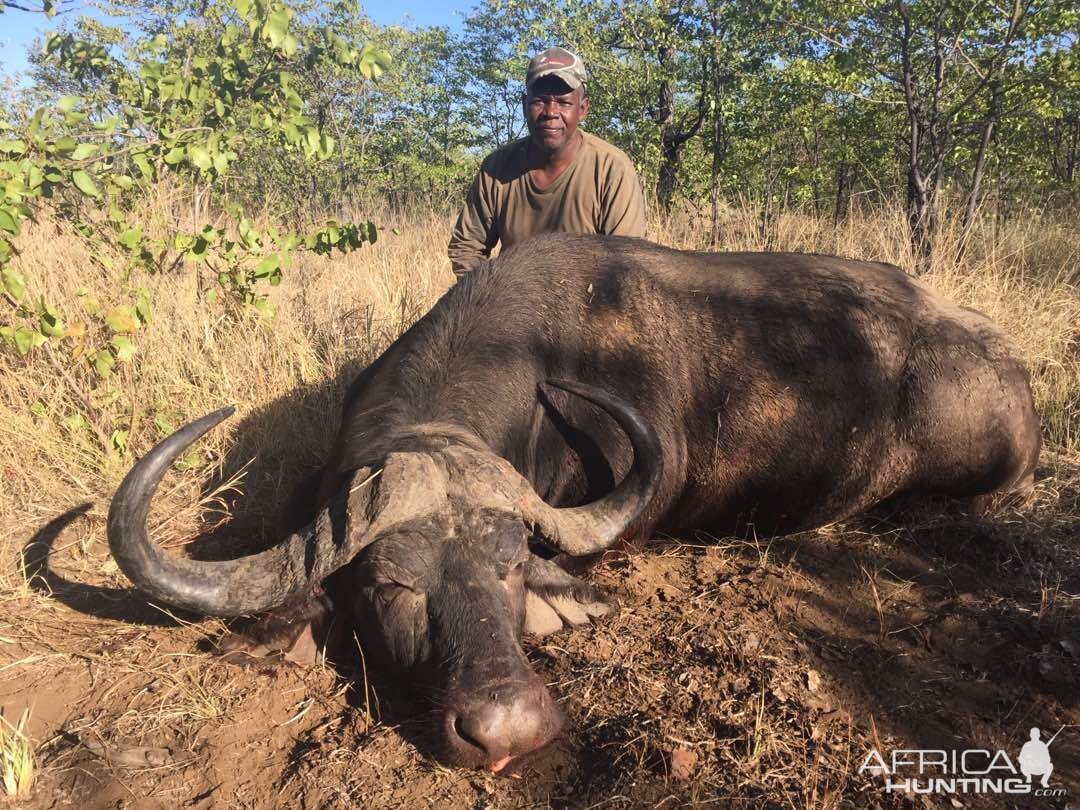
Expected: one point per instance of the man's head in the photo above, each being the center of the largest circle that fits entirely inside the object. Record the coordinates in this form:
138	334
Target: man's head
555	101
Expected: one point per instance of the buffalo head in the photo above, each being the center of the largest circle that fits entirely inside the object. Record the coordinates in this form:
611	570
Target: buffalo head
433	549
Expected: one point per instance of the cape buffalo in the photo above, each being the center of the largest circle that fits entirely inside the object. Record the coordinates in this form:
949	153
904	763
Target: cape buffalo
577	390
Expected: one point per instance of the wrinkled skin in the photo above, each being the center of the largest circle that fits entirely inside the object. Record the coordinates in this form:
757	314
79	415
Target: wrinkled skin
446	600
450	612
785	391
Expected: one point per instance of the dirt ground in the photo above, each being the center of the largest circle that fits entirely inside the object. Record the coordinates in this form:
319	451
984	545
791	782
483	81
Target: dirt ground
738	672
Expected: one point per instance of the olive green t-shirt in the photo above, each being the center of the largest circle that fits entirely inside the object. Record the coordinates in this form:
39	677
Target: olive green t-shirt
599	192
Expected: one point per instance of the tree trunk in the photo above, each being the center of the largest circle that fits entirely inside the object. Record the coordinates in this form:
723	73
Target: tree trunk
980	167
843	192
669	153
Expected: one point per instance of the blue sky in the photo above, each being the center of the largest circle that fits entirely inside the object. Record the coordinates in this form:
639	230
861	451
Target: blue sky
18	28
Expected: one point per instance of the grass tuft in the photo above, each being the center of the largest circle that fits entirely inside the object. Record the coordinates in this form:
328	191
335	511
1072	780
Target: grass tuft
16	757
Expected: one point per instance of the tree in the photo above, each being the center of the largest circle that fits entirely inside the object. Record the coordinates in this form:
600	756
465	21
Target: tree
187	105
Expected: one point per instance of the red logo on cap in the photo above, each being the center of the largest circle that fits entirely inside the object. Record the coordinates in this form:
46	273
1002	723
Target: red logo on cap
552	60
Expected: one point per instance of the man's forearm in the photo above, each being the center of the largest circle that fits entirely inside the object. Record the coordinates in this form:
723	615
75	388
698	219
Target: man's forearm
465	254
471	241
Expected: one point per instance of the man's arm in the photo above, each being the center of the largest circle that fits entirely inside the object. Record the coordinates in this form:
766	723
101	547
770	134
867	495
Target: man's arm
474	234
622	204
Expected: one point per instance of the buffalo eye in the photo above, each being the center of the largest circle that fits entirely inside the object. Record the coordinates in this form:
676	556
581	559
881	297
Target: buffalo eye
393	584
507	570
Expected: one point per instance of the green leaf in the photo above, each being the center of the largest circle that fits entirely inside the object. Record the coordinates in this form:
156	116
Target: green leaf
103	363
130	238
277	25
199	247
374	61
34	177
191	460
200	157
174	155
8	222
84	151
85	184
12	147
311	141
125	349
24	339
264	308
142	306
164	426
326	146
267	266
143	165
38	408
91	305
75	422
67	103
51	324
118	440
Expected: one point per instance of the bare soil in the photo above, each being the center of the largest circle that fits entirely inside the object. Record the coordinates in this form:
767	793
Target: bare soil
740	671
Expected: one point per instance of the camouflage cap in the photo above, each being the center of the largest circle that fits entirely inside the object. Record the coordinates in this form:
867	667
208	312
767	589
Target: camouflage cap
557	62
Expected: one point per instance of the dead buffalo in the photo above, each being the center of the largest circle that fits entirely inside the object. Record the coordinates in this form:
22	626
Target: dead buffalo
577	390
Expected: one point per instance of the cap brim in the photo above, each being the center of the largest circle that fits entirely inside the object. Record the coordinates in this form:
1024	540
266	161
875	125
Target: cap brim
568	79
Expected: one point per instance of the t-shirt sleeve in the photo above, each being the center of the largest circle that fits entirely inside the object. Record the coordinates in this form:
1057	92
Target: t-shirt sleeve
474	235
622	203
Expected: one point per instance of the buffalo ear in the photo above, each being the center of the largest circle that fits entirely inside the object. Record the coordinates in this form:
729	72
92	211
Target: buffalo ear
554	599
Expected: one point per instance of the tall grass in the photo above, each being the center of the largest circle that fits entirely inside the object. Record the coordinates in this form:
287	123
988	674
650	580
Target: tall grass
334	316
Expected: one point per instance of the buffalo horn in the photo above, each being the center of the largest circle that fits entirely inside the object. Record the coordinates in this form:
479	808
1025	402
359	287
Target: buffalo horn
247	585
589	529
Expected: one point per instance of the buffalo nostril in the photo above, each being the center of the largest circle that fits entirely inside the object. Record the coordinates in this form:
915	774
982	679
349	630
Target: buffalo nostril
459	730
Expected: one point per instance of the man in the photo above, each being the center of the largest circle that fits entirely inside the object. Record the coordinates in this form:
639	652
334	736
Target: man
557	179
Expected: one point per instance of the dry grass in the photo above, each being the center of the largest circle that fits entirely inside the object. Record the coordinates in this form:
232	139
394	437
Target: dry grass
16	757
286	379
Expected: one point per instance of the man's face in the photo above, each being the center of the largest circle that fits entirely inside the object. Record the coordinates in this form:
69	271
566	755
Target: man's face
553	112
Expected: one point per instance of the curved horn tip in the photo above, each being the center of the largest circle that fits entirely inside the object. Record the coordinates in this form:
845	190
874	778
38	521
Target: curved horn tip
584	390
605	520
223	413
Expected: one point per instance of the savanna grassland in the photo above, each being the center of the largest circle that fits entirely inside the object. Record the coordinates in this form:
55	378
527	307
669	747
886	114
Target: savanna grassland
740	669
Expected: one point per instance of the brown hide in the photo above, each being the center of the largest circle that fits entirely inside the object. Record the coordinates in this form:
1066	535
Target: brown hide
788	390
